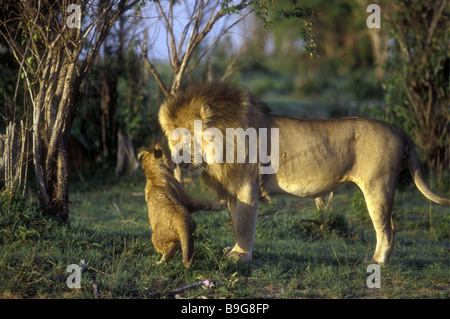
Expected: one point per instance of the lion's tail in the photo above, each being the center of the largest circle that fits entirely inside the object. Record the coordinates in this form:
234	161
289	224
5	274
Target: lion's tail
419	180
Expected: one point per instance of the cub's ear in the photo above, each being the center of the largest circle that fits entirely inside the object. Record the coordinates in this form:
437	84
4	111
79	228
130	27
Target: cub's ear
141	155
157	147
158	152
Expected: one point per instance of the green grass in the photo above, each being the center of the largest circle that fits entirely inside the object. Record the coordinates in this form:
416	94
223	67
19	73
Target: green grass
293	256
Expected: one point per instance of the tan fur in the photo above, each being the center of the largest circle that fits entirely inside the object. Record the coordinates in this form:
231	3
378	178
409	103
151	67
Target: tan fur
316	156
169	207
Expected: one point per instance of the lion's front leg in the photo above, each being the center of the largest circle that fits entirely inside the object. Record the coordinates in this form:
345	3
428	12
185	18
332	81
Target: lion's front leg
244	213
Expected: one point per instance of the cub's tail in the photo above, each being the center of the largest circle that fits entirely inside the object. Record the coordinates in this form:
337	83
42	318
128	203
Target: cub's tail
419	180
187	246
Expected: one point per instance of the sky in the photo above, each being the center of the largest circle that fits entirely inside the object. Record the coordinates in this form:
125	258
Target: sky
157	37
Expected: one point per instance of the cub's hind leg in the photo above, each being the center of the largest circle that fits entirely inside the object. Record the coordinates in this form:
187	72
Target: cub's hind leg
164	245
168	252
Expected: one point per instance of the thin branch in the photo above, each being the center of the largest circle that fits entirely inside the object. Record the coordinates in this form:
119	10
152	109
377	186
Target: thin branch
169	28
26	48
194	39
231	66
187	26
215	41
212	12
180	290
105	12
42	192
179	60
434	22
152	67
101	37
130	5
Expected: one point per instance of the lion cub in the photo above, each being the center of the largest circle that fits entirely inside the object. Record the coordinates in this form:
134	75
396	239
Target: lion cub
169	207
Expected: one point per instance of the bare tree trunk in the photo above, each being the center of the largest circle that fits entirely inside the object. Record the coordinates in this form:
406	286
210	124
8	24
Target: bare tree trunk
105	99
49	63
418	84
125	154
13	145
379	40
2	160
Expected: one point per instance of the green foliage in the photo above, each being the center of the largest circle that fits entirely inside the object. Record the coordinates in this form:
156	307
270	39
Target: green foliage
227	7
274	13
416	86
274	84
359	207
442	229
130	104
335	84
137	109
332	222
326	224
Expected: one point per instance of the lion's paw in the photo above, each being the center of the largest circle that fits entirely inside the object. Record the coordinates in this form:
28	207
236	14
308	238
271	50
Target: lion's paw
370	261
227	250
236	256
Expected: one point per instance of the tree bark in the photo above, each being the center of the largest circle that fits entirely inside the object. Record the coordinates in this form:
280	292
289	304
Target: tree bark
126	156
48	62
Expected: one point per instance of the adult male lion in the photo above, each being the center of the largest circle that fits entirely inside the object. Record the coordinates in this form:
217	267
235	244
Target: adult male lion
315	157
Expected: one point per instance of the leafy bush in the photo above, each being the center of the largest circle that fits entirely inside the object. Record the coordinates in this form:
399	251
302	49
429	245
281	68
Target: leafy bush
325	224
416	87
359	207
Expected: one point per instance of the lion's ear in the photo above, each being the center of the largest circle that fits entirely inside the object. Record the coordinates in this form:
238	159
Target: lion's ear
206	112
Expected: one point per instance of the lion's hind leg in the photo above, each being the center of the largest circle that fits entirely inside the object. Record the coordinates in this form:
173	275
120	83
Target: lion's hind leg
379	200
